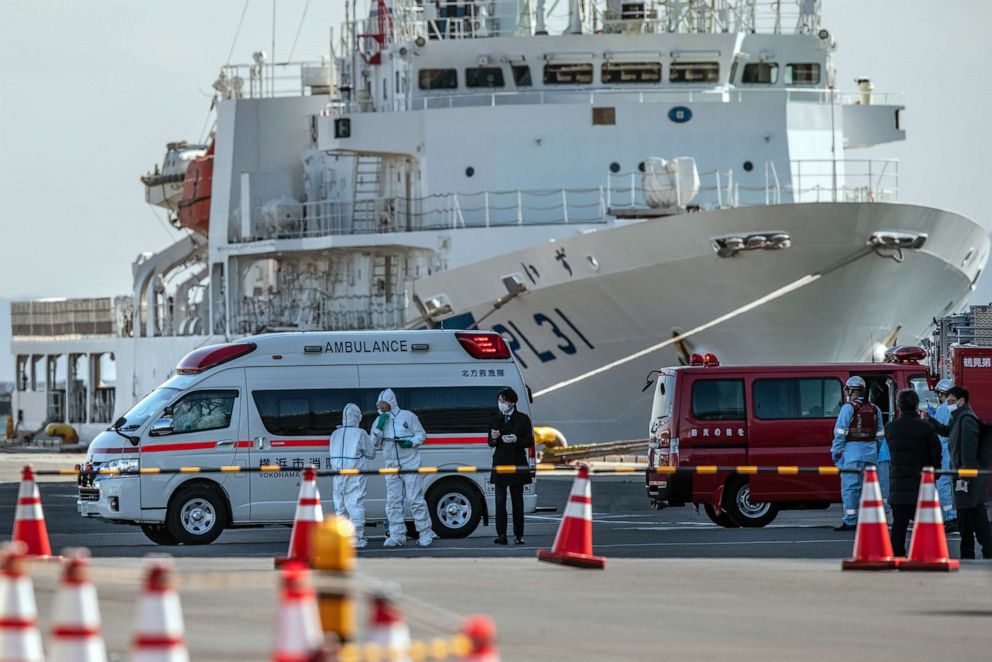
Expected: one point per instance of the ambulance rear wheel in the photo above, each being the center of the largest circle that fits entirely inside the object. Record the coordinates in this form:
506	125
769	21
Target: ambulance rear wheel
158	534
196	515
723	519
741	510
455	507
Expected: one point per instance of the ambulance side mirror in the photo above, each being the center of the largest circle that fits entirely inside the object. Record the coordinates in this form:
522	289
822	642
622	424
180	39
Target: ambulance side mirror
161	427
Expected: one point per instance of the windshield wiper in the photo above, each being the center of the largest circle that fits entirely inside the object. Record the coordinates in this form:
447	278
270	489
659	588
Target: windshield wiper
116	427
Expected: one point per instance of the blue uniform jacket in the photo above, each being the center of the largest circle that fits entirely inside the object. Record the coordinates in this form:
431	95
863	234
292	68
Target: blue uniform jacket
844	453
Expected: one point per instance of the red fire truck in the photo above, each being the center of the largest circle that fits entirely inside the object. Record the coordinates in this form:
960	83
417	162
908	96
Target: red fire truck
707	414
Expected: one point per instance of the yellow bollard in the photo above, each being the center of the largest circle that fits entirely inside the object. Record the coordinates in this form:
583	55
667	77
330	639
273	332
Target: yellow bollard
334	556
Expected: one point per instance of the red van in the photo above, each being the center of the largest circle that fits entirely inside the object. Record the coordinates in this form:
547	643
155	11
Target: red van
708	414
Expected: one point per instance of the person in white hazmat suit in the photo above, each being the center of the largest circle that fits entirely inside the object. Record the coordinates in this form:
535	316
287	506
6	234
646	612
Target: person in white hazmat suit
351	448
399	434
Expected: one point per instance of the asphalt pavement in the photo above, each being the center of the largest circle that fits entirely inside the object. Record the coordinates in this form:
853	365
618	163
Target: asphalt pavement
624	526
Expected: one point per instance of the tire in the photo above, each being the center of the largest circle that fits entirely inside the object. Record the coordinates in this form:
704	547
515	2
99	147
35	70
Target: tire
158	534
196	515
738	506
723	519
455	507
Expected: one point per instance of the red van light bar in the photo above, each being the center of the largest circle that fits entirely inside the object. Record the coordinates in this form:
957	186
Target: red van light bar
905	354
211	356
484	345
707	360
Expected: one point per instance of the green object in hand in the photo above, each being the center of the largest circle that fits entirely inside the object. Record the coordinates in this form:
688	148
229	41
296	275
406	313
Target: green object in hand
404	443
380	423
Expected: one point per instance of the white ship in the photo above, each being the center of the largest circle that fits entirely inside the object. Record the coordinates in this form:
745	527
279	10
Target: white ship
645	180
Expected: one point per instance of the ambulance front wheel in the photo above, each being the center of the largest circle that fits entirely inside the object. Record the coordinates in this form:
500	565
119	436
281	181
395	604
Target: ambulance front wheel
196	515
738	506
455	506
159	534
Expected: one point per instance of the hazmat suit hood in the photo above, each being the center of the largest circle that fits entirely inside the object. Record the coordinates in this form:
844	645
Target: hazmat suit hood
352	415
390	397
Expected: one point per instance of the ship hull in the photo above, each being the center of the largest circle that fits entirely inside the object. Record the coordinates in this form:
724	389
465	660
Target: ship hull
596	300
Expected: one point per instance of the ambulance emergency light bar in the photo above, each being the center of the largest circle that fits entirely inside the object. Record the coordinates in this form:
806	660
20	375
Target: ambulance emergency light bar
484	345
212	356
705	360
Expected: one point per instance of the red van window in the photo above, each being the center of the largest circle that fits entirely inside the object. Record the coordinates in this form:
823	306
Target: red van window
781	399
718	400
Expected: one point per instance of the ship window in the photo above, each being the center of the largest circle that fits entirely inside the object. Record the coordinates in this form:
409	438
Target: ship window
760	73
438	79
567	74
604	116
483	77
631	72
804	73
694	72
521	75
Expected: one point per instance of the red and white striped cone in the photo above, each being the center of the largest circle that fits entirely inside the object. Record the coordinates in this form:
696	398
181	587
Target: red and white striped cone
160	635
308	515
29	519
298	634
20	640
388	630
76	621
573	543
928	547
872	545
481	632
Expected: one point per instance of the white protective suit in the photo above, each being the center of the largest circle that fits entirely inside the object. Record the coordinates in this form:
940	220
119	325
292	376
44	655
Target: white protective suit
402	428
351	448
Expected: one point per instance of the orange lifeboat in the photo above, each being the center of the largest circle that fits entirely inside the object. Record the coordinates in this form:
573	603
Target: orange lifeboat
194	205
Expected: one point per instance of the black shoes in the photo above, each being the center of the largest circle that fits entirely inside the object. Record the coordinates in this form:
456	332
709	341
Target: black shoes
501	540
845	527
518	540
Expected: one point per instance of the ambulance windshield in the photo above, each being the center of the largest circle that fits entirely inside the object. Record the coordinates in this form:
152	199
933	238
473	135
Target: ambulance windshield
150	404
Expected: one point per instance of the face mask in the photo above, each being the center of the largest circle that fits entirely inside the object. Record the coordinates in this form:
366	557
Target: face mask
504	407
952	407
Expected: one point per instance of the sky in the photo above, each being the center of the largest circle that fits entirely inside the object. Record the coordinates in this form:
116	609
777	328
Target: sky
90	92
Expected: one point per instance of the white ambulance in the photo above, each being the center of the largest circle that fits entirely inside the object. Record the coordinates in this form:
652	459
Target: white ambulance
274	400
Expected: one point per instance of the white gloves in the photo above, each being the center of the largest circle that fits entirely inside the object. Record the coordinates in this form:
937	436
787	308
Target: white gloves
509	438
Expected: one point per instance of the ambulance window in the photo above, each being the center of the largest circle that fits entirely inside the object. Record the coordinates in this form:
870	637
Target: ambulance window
784	399
150	404
305	412
202	410
718	400
451	409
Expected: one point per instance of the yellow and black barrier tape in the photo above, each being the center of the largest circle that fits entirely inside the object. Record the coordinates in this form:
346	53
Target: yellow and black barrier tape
439	648
546	469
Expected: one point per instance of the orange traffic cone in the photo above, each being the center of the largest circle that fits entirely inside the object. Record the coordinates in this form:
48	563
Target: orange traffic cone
29	519
76	623
388	630
308	515
19	636
298	634
573	544
872	545
481	632
160	635
928	548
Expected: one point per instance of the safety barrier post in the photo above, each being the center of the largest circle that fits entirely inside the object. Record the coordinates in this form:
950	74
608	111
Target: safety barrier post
333	556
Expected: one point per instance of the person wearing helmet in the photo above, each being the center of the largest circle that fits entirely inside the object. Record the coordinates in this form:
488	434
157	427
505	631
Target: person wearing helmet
351	448
858	435
942	415
399	433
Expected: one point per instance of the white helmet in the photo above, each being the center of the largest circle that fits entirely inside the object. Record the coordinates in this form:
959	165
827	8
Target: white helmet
943	386
856	382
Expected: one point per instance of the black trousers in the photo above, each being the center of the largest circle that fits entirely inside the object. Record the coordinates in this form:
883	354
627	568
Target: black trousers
517	501
901	514
974	523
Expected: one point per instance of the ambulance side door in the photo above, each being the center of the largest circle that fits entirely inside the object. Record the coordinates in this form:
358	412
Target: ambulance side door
292	412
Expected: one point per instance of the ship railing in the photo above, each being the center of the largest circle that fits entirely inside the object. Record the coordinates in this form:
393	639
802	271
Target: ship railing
320	311
832	180
717	190
262	79
503	18
720	94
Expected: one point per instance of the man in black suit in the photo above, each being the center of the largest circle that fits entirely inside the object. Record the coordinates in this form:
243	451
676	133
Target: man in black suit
511	435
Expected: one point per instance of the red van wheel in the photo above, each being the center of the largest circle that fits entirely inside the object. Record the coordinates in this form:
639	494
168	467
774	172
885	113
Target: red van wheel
723	519
738	506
